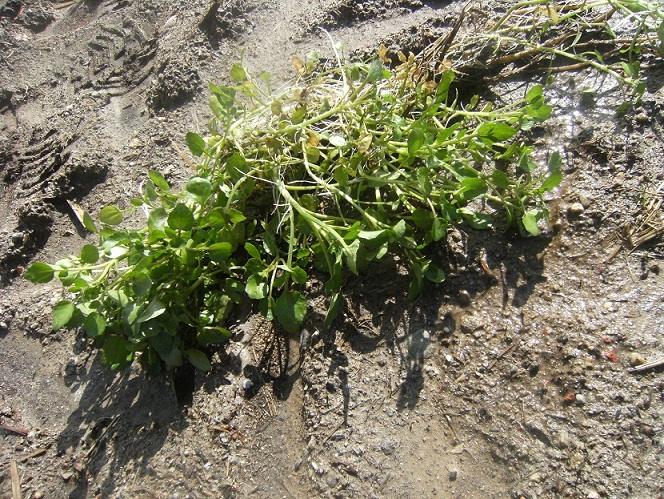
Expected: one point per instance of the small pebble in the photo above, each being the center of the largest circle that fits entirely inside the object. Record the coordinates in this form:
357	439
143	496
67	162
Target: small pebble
575	209
585	200
452	475
388	446
580	400
636	359
247	384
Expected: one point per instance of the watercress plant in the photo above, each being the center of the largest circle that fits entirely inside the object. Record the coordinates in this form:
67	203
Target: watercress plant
345	167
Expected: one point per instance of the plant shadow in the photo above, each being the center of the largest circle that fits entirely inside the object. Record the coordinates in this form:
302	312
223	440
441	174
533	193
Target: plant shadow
121	418
379	314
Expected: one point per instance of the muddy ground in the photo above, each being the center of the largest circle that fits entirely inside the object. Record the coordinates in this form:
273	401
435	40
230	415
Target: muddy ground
510	379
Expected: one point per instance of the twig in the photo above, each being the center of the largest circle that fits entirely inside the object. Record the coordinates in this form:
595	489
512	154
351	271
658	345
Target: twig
13	429
16	481
36	453
650	365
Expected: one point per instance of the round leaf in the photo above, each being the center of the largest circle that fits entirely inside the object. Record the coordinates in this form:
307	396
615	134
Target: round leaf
529	221
181	218
255	288
62	313
89	254
39	273
94	325
199	359
110	215
291	307
200	188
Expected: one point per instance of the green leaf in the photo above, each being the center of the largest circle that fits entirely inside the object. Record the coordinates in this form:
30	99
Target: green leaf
181	218
270	244
172	357
351	254
252	250
139	282
116	352
213	335
238	74
255	288
529	221
374	238
62	313
159	180
552	181
196	143
336	306
290	310
416	284
438	229
39	273
219	252
157	219
217	108
94	325
555	162
433	273
415	141
481	221
444	85
199	360
89	254
154	309
200	189
88	223
236	166
540	111
527	164
495	132
534	93
110	215
375	71
423	218
471	188
500	179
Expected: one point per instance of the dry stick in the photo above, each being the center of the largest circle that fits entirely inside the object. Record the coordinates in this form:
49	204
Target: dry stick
650	365
13	429
36	453
16	481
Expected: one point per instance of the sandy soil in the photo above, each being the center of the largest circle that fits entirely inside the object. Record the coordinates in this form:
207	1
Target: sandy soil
510	379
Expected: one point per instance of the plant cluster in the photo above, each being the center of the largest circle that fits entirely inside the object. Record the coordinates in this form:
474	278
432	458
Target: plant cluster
341	170
345	167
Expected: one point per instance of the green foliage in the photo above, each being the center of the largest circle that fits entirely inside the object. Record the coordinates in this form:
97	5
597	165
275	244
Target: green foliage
342	170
